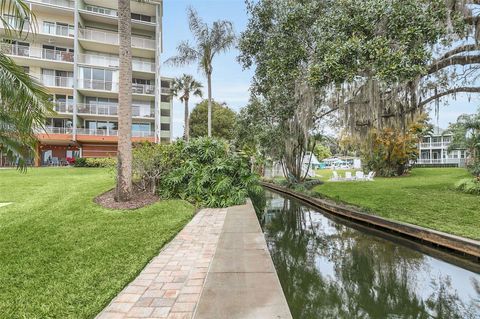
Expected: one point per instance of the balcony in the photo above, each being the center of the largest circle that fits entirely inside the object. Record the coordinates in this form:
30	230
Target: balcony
56	130
60	3
113	62
106	37
110	132
426	161
63	107
60	30
113	13
100	85
55	81
435	145
143	89
37	53
97	109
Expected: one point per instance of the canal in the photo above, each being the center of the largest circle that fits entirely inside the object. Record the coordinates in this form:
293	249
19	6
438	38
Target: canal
333	268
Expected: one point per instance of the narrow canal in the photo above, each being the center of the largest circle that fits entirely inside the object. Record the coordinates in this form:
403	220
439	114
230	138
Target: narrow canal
333	268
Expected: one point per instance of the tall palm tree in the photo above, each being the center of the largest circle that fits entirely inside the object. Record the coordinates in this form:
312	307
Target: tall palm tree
124	163
183	87
24	104
209	41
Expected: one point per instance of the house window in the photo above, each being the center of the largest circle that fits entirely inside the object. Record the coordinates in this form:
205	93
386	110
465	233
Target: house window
165	126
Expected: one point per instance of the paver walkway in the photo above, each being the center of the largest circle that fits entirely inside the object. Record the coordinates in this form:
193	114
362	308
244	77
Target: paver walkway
217	267
170	285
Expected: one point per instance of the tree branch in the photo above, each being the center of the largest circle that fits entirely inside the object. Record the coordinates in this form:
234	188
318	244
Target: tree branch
454	60
460	49
448	92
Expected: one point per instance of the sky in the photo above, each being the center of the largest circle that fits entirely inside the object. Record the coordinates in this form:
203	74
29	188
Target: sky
230	83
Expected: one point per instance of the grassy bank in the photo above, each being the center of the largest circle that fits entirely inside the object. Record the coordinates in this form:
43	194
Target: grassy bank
426	198
61	255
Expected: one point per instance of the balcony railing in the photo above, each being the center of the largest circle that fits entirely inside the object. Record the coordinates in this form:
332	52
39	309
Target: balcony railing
61	3
143	134
112	38
60	30
441	161
111	12
55	81
56	130
96	132
63	107
106	61
143	89
98	85
38	53
435	145
97	109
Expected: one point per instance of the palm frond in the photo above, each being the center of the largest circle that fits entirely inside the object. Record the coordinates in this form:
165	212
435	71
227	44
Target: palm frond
16	16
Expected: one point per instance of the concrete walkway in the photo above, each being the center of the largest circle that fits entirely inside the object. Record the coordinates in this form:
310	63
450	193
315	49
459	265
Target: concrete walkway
218	266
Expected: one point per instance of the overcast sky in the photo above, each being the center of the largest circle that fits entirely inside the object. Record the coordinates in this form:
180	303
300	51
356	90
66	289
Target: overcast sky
230	83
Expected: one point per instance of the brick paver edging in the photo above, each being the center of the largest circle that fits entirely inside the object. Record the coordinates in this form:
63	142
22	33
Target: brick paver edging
171	284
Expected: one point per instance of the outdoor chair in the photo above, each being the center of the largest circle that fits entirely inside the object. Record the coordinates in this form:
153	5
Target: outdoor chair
359	176
335	176
370	176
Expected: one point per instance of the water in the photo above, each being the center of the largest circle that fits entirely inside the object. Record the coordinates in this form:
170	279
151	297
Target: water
331	268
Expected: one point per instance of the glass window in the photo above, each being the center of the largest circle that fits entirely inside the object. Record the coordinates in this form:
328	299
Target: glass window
165	98
165	126
48	27
164	112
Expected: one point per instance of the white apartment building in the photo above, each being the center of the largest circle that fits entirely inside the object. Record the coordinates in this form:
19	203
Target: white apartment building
73	51
433	150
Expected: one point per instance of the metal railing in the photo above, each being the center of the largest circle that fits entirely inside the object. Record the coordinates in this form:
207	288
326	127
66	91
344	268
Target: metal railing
143	89
60	30
112	38
63	107
61	3
56	130
98	85
38	53
111	12
56	81
97	109
143	134
96	132
107	61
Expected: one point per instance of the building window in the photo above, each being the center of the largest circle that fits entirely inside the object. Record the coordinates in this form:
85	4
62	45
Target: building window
141	17
165	126
165	84
141	127
164	112
165	98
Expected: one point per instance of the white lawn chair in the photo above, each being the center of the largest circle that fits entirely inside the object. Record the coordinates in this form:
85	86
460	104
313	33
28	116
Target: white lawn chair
335	176
359	176
348	176
370	176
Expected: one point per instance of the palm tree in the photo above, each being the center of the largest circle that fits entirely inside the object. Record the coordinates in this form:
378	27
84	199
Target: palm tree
182	88
124	157
210	41
24	104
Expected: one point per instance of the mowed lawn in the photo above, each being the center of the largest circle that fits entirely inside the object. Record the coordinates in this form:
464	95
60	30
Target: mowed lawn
63	256
426	198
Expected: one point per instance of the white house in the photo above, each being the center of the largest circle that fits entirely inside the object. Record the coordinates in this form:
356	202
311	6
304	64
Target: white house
433	150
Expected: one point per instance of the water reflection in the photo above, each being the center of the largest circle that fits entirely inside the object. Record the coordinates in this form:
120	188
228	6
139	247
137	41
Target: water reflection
329	270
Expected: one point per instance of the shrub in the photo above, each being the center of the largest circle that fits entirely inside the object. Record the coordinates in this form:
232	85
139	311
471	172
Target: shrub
207	172
469	186
96	162
475	168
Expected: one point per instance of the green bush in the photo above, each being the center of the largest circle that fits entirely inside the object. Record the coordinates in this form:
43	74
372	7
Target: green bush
204	171
469	186
475	168
96	162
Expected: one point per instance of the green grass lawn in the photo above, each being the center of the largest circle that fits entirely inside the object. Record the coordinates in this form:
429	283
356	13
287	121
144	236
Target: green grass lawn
426	198
63	256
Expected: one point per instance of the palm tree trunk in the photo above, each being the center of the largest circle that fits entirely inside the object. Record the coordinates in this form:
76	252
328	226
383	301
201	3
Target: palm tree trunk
124	165
209	76
186	133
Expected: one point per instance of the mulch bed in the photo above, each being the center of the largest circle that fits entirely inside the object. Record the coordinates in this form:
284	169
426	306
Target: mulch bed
139	199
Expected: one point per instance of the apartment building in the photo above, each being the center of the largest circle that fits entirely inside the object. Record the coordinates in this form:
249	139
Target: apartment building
73	51
433	150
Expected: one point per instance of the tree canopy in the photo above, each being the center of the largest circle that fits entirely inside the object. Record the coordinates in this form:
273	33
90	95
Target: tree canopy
223	123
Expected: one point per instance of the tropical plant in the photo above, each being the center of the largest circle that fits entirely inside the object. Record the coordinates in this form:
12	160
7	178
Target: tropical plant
466	135
105	162
124	164
183	87
469	186
209	173
223	122
209	42
24	104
